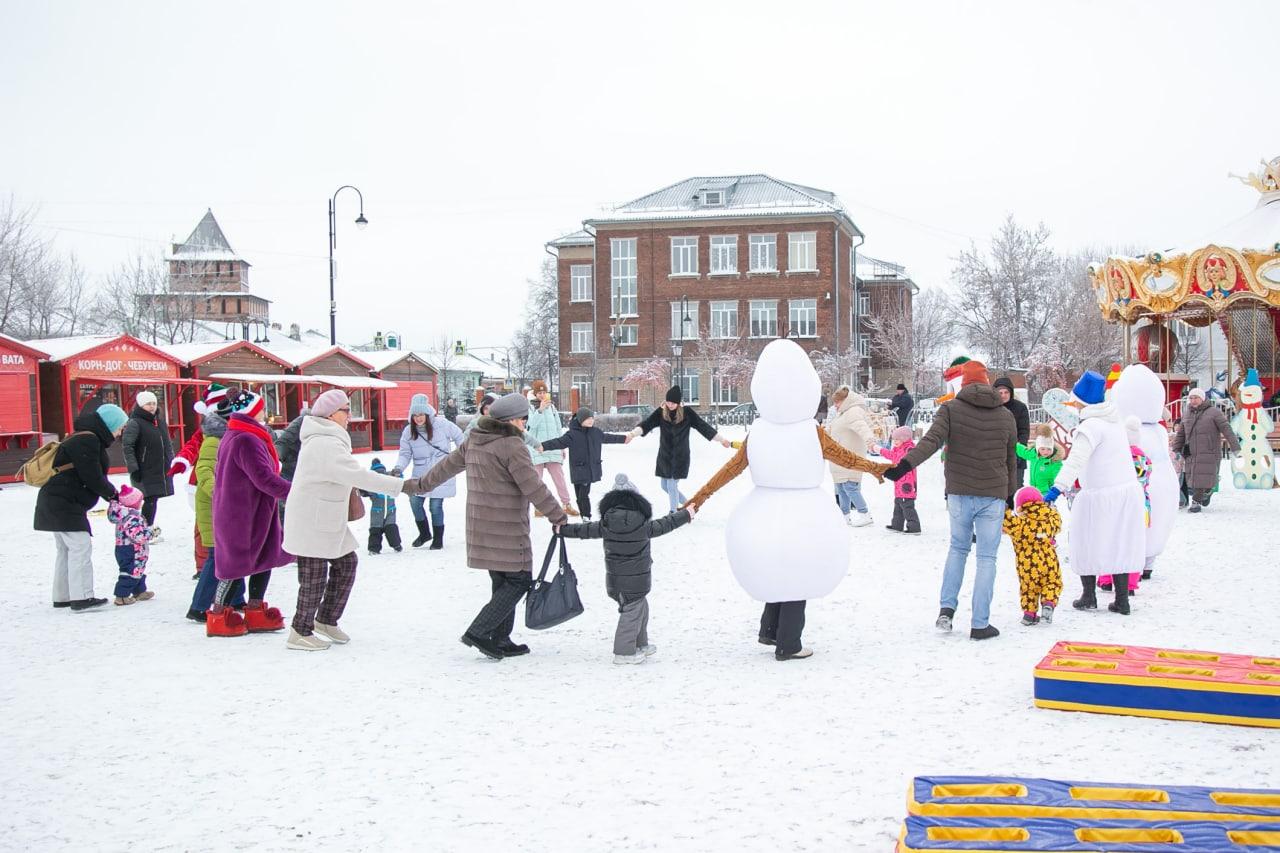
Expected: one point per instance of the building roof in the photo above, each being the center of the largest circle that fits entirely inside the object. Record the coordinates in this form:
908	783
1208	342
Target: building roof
194	352
577	238
206	242
60	349
871	270
23	347
744	196
381	359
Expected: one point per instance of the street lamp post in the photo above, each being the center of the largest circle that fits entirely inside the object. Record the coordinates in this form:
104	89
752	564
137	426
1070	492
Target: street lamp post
361	222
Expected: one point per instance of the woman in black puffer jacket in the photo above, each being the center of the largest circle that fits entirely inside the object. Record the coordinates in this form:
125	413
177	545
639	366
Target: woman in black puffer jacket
148	452
626	524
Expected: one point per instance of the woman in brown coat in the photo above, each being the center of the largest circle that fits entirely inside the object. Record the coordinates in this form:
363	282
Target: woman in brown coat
1201	432
501	483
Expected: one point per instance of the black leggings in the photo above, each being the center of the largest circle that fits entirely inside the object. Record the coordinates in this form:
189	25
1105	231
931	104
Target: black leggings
582	491
149	504
257	589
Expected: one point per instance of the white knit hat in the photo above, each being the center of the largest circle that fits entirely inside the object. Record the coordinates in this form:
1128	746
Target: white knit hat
145	398
1044	442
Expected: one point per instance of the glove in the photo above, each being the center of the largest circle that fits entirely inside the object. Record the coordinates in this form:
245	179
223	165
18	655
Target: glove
1052	495
180	466
898	471
410	487
396	472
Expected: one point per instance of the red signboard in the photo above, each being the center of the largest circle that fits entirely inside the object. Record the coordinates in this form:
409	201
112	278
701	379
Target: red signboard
15	362
121	358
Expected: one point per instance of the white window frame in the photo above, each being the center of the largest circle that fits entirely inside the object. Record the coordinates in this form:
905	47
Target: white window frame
690	328
580	336
763	305
623	291
864	344
580	283
757	244
581	381
722	328
802	317
684	256
690	383
723	393
628	334
864	303
706	198
795	254
724	254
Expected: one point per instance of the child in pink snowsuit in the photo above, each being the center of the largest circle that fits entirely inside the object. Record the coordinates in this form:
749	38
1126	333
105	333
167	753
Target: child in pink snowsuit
133	546
905	519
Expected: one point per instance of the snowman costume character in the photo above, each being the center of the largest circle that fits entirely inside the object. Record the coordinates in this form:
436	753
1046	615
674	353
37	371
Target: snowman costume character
1254	466
787	542
1139	394
1108	516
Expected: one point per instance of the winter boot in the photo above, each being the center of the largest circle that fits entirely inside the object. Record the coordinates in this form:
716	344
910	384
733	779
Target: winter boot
1088	601
124	601
424	532
484	645
437	541
945	616
1029	617
510	649
224	623
1046	611
1121	604
259	618
145	595
986	633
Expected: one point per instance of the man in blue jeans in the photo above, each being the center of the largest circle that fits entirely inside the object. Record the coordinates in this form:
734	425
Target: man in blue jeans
981	471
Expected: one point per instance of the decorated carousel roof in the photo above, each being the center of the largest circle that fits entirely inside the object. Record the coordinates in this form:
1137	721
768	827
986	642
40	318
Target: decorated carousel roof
1239	265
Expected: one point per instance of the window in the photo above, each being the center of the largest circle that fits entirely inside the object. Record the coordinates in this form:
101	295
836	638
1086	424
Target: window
684	255
803	318
864	303
802	251
764	318
721	391
582	382
690	332
688	382
724	253
580	283
724	319
764	252
864	344
627	336
357	405
580	337
713	198
622	278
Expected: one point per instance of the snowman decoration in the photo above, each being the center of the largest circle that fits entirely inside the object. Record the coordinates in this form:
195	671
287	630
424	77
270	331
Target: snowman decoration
787	541
1254	468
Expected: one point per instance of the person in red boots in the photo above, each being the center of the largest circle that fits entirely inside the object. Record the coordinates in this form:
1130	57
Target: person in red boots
247	531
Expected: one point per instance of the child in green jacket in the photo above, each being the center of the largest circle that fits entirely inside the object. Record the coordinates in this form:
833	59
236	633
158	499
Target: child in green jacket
1044	458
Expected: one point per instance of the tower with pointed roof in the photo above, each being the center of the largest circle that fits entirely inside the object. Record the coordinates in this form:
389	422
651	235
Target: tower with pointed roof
208	279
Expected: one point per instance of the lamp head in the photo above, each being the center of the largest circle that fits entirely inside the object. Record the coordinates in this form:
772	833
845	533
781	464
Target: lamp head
361	222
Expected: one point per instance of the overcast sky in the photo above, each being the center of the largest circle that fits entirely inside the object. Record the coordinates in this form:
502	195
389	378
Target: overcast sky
478	131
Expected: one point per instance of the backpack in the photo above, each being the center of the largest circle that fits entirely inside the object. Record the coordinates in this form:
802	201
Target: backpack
39	469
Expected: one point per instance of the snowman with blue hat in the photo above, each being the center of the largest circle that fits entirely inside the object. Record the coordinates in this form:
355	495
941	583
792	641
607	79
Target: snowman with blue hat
1254	466
1108	526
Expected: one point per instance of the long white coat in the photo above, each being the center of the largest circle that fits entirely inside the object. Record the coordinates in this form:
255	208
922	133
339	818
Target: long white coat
315	513
851	427
1108	517
1138	393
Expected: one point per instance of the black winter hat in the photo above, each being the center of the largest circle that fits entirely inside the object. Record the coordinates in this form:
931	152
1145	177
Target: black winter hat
901	387
675	395
1003	382
583	413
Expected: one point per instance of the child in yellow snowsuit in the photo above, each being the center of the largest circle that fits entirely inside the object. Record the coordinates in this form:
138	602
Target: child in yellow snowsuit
1033	525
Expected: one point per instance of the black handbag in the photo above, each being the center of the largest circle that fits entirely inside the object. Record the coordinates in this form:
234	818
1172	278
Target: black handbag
553	601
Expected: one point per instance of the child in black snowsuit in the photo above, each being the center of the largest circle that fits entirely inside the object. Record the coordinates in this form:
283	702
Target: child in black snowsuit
626	524
382	517
584	441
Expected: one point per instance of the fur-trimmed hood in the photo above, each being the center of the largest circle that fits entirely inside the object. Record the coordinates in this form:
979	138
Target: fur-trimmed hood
622	510
487	426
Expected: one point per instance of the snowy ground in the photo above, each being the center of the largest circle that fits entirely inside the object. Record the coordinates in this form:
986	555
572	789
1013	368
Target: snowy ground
127	729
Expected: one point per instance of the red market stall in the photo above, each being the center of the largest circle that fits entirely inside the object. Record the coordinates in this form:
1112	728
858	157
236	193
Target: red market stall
260	372
116	367
19	405
412	374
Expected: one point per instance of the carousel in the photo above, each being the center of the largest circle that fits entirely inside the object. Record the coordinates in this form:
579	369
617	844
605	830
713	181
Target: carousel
1231	279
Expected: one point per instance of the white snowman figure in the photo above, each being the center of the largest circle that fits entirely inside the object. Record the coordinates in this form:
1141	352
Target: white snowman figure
1254	467
787	541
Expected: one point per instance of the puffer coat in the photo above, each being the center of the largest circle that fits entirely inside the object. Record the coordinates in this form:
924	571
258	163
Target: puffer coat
501	483
980	436
148	452
852	430
673	439
543	427
1199	440
626	525
424	454
214	428
585	445
63	503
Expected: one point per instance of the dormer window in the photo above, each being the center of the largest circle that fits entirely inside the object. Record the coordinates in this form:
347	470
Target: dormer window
713	198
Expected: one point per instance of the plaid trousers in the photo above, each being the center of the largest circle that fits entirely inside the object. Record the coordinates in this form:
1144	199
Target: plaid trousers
323	589
497	617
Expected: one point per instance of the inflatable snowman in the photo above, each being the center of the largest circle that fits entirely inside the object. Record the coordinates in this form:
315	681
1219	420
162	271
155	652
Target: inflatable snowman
787	540
1139	394
1254	468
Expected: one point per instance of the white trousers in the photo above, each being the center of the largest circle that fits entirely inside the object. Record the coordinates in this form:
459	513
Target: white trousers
73	566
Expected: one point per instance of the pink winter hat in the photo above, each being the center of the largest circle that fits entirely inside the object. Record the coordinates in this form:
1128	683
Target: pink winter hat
329	402
902	433
130	497
1026	495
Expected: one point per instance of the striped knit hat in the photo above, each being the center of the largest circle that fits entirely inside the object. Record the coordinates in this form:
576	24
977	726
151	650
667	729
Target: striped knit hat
213	399
248	403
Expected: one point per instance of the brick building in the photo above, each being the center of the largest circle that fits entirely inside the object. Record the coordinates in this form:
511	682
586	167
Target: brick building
715	268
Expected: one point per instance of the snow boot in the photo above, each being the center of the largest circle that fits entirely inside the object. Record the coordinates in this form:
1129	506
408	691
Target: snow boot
859	519
125	601
1121	604
484	645
1029	618
224	623
1046	612
424	532
259	618
1089	600
145	595
986	633
945	615
437	540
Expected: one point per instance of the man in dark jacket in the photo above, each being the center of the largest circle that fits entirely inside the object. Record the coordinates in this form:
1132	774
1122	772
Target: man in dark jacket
980	471
148	452
63	504
584	441
1021	422
288	443
902	404
626	526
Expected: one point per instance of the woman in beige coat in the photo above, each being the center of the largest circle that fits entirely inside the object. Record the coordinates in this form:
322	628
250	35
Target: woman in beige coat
850	426
315	521
501	483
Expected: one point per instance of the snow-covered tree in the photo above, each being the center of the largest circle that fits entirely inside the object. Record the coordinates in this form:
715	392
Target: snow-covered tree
916	338
652	373
535	347
835	368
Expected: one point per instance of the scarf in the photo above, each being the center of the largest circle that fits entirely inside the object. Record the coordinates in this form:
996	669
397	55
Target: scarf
255	428
1251	411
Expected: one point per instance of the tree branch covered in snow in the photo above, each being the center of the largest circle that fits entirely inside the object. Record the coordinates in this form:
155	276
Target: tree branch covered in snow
653	373
535	347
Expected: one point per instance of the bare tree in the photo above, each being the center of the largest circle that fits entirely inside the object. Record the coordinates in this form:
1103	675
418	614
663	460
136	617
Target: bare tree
836	368
140	298
445	356
536	344
916	339
25	260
